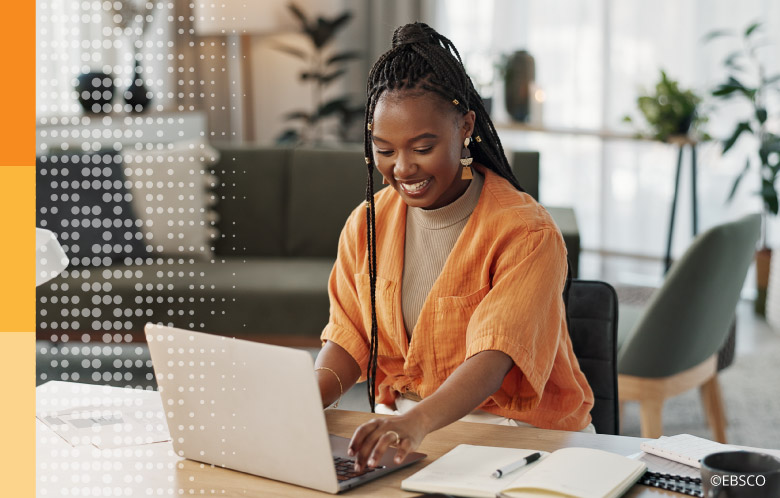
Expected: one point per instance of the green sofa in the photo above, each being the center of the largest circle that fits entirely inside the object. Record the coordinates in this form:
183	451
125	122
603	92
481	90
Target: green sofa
280	215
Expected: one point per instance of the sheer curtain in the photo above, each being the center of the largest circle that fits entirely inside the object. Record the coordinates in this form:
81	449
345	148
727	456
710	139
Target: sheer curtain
593	57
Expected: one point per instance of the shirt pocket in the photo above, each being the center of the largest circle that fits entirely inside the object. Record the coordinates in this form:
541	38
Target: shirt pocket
385	310
452	317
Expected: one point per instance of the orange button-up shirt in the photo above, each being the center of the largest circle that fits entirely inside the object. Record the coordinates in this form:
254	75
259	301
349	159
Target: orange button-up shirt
500	289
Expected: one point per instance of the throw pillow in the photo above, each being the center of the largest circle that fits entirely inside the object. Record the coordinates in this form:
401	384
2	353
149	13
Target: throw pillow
170	185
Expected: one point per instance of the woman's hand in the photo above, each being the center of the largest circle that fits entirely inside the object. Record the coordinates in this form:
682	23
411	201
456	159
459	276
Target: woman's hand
371	440
468	386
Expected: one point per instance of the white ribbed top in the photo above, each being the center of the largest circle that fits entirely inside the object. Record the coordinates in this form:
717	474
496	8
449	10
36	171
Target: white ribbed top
430	236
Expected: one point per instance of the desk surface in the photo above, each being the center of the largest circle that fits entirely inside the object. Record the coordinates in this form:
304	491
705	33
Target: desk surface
155	470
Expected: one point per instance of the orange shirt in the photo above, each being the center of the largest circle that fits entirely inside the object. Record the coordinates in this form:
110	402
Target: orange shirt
500	289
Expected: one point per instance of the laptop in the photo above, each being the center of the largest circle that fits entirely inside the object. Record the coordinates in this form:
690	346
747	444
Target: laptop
254	408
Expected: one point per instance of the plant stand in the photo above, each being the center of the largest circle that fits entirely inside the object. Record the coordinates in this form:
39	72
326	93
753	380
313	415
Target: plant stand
681	141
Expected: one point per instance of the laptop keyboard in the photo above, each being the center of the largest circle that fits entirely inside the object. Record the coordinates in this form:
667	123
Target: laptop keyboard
345	469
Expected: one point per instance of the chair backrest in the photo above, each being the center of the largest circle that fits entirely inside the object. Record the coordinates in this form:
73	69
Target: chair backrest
689	316
593	315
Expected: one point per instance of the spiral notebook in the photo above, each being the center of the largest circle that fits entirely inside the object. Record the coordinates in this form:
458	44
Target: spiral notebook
684	448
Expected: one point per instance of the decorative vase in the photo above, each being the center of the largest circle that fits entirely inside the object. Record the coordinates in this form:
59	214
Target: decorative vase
95	91
520	75
137	96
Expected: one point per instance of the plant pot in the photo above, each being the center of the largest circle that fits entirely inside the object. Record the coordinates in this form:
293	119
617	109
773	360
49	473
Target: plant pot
763	259
137	95
520	74
95	91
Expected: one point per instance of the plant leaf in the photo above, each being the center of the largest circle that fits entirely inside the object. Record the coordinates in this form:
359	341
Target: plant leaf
290	116
750	31
332	107
725	90
343	56
325	29
769	195
298	13
327	78
737	180
311	75
743	126
717	34
301	54
761	115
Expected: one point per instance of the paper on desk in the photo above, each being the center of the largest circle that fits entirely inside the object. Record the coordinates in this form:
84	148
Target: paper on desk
111	421
662	465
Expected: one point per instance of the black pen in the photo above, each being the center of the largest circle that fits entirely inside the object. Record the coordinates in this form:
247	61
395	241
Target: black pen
499	473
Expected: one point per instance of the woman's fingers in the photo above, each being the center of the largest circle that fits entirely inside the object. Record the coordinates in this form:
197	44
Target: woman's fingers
359	436
363	442
385	440
403	449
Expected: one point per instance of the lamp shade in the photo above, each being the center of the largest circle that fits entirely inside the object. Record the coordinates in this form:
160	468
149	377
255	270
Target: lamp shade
50	259
236	17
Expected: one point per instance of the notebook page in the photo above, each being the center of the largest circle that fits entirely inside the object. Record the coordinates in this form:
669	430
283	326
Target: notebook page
581	472
683	448
466	471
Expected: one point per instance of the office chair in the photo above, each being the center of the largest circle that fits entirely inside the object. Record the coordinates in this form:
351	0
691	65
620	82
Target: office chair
672	346
593	316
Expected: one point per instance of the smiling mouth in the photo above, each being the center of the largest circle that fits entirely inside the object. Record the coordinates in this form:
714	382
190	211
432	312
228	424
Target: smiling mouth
415	188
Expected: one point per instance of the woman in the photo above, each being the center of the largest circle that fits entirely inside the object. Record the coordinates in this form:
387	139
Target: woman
447	291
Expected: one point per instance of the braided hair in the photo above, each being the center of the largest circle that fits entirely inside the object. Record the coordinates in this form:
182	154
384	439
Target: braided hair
422	59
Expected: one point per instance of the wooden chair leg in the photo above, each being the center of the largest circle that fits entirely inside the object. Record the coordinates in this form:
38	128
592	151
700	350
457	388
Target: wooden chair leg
650	417
621	406
706	403
716	415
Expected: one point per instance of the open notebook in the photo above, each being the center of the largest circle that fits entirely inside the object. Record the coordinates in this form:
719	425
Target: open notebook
572	472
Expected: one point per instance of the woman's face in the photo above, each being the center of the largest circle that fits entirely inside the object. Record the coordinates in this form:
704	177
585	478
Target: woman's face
417	143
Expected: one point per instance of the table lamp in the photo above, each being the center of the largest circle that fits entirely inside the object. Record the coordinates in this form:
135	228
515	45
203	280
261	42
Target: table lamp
239	20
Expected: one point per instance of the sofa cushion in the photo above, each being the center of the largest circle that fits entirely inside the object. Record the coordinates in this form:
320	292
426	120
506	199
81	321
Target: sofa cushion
229	296
325	186
252	195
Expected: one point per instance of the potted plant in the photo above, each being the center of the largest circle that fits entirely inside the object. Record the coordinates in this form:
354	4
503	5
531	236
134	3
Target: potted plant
670	111
747	80
321	70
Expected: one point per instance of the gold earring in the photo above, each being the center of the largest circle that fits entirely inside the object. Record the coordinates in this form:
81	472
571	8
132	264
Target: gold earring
466	160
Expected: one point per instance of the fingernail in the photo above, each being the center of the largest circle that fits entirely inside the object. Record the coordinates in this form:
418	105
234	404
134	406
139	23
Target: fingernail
350	452
371	462
397	459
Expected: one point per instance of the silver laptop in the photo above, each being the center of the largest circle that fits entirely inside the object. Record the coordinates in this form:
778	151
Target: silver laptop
252	407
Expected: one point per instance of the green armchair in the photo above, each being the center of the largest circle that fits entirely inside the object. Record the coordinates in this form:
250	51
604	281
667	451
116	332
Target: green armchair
671	346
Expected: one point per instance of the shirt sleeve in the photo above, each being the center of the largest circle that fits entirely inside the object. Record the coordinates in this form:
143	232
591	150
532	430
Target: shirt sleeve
522	315
345	326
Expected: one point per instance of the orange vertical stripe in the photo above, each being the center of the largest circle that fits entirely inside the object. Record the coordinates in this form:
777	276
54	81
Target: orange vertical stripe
17	84
17	220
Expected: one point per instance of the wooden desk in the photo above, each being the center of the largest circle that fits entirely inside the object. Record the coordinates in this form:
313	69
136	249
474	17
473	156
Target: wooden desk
154	469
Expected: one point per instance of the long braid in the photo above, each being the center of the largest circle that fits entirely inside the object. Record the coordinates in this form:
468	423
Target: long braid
421	58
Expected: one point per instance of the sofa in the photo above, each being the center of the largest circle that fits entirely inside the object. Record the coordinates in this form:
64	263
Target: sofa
279	213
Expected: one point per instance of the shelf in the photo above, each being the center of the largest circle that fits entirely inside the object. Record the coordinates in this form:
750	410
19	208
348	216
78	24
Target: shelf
116	130
585	132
